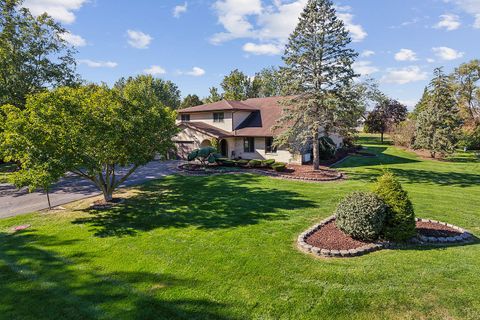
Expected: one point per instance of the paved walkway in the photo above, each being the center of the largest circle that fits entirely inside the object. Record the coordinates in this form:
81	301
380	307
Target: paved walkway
15	202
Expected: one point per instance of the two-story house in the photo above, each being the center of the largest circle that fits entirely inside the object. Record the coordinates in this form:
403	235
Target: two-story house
243	129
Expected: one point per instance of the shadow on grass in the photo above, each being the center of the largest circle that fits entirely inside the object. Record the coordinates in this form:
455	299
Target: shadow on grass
380	159
205	202
39	284
454	179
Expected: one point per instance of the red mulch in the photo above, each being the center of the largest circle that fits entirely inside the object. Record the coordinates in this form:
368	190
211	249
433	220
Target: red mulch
306	171
431	229
331	238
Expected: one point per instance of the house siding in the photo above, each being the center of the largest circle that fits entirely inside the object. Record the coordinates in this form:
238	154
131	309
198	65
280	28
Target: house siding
207	117
281	155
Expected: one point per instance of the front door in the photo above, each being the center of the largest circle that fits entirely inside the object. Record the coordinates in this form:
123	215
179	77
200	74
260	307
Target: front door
224	148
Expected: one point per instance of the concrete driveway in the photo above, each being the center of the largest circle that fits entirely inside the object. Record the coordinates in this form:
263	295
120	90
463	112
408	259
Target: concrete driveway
15	202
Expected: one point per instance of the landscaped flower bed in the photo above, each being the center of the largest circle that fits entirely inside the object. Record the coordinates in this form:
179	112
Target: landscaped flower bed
327	240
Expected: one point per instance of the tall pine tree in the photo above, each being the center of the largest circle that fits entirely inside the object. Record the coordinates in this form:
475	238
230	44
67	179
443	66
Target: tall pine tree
438	123
318	65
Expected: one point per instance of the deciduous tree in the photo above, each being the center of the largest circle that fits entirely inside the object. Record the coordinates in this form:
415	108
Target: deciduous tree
33	54
92	131
386	114
190	100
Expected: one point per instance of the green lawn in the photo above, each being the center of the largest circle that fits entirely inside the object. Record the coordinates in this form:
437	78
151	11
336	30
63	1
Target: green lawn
223	247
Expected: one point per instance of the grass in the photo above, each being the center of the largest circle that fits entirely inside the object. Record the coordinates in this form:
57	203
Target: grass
223	247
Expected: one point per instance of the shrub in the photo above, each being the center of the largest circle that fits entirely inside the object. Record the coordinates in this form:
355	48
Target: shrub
268	163
279	166
242	162
400	216
254	163
203	155
403	134
361	215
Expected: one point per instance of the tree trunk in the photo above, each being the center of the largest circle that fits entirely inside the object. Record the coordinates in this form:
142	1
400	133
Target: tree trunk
316	152
381	137
432	154
108	195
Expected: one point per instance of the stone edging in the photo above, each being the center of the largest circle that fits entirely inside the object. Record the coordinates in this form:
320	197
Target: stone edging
465	237
273	174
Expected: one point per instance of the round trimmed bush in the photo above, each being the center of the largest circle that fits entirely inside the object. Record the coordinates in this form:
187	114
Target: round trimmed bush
279	166
361	215
254	163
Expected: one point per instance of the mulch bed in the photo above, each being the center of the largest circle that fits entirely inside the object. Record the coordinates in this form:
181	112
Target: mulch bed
103	205
430	229
307	172
331	238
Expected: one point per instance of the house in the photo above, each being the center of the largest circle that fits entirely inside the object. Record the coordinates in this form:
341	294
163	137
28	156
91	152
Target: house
243	130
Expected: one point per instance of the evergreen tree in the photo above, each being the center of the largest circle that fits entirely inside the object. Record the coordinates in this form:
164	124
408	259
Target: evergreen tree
190	100
271	82
318	65
437	125
421	105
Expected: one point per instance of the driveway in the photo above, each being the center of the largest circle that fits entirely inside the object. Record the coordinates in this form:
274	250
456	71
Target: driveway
15	202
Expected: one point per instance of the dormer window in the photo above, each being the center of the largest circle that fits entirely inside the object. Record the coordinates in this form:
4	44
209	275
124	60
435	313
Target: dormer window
185	118
218	116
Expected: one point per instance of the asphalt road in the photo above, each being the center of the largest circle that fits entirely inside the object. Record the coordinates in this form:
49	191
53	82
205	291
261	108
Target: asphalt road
15	202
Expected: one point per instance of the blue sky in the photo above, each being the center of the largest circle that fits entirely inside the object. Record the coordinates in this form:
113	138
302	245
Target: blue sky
196	42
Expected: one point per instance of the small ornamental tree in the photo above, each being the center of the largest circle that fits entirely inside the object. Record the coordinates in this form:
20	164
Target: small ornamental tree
437	125
385	116
400	216
91	131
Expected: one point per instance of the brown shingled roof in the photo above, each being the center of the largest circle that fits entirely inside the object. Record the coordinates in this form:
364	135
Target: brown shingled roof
220	106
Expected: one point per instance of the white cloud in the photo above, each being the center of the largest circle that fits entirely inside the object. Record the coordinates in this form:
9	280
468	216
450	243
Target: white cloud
364	67
404	75
471	7
270	24
138	39
477	21
61	10
409	103
449	22
446	53
74	39
179	10
406	55
196	72
262	49
98	64
367	53
356	30
155	70
430	60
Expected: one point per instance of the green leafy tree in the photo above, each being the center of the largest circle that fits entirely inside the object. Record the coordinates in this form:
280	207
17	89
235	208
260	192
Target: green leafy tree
271	82
319	66
400	216
214	96
98	133
467	90
437	125
385	116
33	54
166	92
190	100
237	86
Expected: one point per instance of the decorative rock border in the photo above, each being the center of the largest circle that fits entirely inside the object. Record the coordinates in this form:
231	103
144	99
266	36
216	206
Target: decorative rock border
339	175
465	237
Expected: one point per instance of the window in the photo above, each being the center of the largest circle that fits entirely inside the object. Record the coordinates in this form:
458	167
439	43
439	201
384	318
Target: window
218	116
269	148
185	117
249	145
